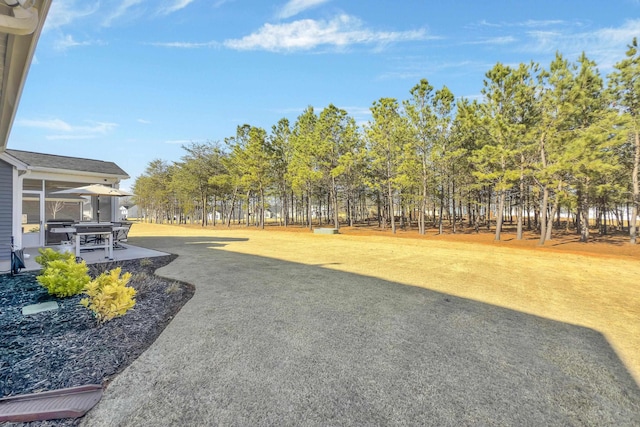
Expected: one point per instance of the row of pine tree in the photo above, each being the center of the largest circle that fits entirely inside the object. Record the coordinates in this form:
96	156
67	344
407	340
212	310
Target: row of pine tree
541	141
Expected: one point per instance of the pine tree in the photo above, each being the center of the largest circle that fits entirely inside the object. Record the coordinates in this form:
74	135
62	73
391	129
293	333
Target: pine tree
624	84
589	152
335	138
387	135
304	172
422	126
280	141
498	160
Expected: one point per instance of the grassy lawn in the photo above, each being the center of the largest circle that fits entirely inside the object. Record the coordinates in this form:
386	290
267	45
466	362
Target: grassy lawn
594	290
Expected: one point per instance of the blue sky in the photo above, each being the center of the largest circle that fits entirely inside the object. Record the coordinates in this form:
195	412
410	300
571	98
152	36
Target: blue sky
132	80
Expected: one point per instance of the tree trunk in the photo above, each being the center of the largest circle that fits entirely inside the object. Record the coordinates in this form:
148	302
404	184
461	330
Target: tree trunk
334	197
453	202
519	208
636	191
248	208
543	215
261	208
441	212
489	211
204	211
584	216
214	210
500	212
391	213
423	207
309	210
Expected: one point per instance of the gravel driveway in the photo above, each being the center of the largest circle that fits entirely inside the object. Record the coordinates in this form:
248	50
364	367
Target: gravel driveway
267	342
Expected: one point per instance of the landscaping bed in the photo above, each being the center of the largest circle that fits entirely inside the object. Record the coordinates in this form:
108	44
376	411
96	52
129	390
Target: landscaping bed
66	347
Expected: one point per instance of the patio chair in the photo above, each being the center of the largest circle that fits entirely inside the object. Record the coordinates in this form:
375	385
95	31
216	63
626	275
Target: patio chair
120	235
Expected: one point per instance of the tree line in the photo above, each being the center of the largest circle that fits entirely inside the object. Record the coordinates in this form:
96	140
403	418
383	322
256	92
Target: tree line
542	145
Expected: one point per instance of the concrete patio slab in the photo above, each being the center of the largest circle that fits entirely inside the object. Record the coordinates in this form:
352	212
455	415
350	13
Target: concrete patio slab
126	252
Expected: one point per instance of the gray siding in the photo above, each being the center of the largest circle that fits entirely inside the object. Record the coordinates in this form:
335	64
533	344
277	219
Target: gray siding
6	209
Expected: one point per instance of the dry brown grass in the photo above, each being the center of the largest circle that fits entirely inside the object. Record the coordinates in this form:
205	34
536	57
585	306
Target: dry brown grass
592	285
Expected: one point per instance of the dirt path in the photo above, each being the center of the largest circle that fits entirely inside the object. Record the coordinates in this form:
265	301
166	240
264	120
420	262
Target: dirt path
597	289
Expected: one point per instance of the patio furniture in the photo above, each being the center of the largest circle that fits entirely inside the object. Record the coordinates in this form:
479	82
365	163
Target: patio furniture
57	237
120	234
91	236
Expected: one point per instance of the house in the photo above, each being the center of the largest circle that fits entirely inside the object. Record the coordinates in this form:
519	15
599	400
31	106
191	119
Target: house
128	211
28	182
21	23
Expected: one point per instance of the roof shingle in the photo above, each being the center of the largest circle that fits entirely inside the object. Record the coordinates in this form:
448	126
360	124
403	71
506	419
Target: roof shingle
67	163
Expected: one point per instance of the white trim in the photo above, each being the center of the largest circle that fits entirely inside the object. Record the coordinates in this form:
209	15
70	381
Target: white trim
58	171
86	178
41	215
16	226
13	161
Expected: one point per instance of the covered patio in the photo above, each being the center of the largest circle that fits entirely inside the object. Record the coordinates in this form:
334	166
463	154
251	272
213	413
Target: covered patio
34	198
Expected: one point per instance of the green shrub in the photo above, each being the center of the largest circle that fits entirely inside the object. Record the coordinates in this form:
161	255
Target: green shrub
48	255
108	296
64	277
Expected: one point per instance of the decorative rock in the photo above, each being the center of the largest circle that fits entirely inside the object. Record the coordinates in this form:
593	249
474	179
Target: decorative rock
39	308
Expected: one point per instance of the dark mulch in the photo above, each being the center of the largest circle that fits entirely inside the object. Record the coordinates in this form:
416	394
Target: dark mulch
67	348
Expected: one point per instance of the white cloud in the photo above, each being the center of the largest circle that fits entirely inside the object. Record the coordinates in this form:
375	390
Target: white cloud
175	6
64	12
307	34
70	137
122	10
221	2
53	124
530	23
294	7
500	40
144	122
182	141
606	45
415	68
186	45
68	131
67	41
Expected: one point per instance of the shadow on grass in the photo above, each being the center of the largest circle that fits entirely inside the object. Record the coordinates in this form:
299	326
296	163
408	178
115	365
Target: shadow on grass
266	341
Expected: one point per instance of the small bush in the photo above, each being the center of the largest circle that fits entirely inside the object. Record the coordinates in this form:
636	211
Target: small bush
108	296
173	287
48	255
146	262
64	277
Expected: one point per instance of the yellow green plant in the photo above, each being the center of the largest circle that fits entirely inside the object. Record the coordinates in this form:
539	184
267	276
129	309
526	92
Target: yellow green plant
48	255
64	277
108	296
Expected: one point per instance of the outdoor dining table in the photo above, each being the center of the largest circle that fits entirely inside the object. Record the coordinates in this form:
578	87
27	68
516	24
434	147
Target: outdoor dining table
104	230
